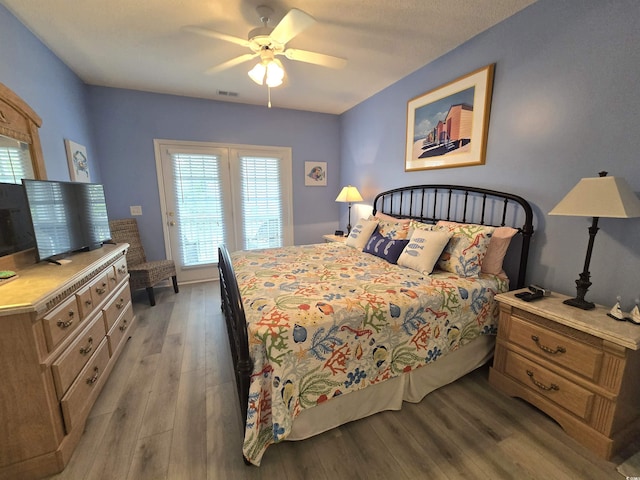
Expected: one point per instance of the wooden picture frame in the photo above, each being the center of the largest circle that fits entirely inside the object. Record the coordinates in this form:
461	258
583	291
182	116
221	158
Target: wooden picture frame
315	174
78	162
448	126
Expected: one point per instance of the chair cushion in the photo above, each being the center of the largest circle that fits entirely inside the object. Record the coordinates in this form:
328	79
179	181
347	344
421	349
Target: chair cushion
150	273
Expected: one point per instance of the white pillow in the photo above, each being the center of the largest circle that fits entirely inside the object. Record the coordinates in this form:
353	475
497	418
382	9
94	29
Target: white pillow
360	234
424	249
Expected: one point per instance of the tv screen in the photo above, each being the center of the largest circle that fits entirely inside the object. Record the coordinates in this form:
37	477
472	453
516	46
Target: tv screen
16	232
67	216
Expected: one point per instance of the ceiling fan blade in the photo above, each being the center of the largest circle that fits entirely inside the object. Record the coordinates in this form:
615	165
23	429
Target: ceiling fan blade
316	58
294	22
213	34
231	63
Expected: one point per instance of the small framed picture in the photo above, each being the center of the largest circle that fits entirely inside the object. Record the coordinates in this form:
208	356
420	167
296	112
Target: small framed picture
78	162
315	174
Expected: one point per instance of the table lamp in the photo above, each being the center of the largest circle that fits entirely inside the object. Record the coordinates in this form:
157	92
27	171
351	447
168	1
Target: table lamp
602	196
349	194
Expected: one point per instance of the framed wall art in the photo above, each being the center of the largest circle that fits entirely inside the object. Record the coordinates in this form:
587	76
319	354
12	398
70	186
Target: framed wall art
78	162
448	126
315	174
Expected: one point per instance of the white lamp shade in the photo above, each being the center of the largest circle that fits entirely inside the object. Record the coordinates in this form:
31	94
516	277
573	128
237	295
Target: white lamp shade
608	197
349	194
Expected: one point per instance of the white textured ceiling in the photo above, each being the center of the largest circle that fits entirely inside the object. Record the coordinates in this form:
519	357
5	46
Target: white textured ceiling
139	44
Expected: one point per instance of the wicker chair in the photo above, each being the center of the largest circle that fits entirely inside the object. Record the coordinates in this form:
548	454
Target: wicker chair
143	274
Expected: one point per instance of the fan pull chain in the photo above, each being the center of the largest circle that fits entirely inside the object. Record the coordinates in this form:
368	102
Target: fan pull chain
269	90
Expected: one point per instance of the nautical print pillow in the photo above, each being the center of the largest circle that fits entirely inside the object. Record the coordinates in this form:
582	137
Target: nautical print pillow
423	250
386	248
359	235
466	249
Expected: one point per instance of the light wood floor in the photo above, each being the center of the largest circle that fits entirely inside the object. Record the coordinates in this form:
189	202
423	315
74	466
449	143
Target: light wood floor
169	411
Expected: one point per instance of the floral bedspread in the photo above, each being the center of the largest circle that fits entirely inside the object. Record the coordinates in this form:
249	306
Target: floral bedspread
325	320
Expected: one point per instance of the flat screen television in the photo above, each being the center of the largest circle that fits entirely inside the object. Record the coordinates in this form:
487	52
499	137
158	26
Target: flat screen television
67	217
16	231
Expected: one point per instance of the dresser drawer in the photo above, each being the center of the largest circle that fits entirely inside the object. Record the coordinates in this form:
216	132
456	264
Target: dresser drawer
59	323
85	303
74	358
558	389
77	398
120	329
121	269
572	354
117	306
100	288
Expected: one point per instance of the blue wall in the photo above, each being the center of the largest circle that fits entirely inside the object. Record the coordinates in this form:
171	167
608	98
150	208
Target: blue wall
565	106
128	121
56	94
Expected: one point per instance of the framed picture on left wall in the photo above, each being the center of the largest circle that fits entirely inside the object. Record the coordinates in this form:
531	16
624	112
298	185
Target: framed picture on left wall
78	161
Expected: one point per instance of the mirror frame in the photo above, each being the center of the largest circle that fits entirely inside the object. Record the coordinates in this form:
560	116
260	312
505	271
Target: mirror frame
20	122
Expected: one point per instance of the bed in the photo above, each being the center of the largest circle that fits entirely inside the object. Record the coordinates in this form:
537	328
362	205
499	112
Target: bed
324	334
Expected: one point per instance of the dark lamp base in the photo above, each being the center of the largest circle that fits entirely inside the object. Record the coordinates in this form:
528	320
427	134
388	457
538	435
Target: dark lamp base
580	303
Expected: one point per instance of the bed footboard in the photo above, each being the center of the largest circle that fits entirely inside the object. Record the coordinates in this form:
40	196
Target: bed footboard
233	312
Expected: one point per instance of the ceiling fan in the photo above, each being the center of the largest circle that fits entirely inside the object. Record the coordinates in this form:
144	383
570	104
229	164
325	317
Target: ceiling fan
266	42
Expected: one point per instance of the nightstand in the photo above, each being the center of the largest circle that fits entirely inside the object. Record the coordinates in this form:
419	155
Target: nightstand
580	367
334	238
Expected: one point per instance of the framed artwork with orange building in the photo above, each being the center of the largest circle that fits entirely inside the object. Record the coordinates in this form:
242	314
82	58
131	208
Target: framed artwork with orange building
448	126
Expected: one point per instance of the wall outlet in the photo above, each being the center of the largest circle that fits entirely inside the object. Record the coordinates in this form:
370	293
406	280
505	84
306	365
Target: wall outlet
135	210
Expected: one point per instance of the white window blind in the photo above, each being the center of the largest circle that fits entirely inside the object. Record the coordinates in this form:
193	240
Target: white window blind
261	200
198	206
15	164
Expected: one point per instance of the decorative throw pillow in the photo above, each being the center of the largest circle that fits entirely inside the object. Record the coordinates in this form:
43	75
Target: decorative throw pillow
390	218
423	250
415	224
466	249
386	248
391	227
497	249
394	230
360	234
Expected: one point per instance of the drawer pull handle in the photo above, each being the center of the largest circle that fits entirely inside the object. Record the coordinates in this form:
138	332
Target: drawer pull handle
101	290
113	279
88	348
544	348
94	378
120	304
124	325
122	271
542	386
62	324
87	303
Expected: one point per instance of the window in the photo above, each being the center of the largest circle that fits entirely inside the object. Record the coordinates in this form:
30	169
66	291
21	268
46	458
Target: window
15	161
214	194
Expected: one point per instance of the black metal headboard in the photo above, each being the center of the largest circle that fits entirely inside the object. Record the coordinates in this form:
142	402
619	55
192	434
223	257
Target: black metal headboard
456	203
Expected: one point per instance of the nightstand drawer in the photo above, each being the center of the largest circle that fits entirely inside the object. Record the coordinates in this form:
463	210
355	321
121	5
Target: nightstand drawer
572	354
544	382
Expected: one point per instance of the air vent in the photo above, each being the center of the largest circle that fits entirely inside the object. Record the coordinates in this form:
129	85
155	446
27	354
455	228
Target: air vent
227	94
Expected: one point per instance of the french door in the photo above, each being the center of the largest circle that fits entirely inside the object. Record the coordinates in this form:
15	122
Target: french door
214	194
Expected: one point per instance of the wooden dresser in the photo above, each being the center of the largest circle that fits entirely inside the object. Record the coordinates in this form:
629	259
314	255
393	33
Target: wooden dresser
62	328
580	367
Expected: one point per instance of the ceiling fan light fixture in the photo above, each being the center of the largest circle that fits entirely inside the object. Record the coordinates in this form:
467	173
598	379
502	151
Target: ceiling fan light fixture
258	73
269	70
275	73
